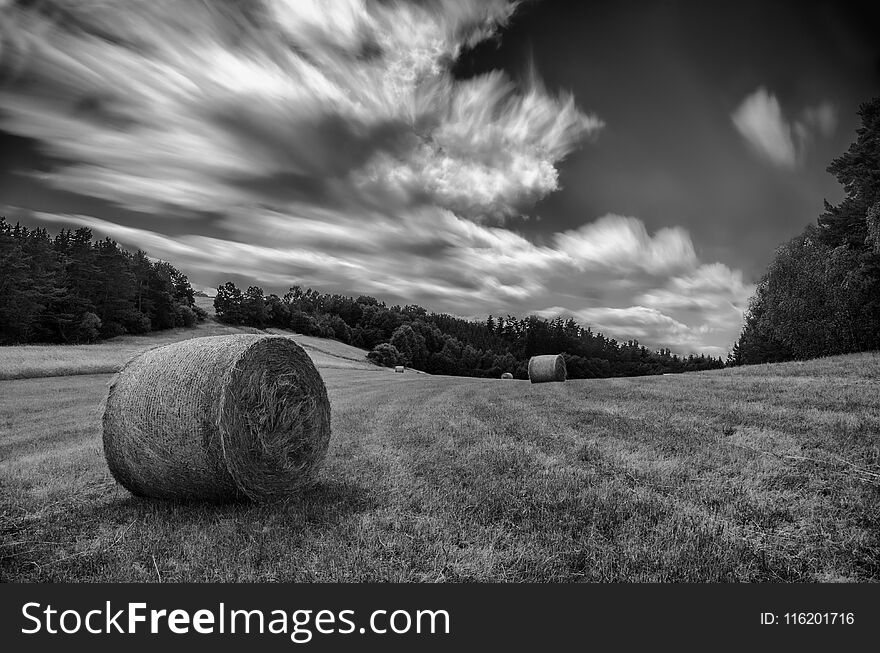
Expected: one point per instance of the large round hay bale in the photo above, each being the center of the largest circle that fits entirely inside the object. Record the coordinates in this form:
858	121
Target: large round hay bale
543	369
220	417
507	375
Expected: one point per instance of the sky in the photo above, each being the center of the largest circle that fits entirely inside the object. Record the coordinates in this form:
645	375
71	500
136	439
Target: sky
630	164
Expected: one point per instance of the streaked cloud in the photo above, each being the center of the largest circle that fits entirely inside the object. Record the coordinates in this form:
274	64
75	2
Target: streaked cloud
760	121
623	243
634	323
210	105
822	117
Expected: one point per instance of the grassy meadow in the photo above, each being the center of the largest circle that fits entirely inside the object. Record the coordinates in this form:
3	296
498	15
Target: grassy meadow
32	361
767	473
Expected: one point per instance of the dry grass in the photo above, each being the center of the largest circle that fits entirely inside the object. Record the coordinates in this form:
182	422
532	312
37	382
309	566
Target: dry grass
754	474
32	361
330	354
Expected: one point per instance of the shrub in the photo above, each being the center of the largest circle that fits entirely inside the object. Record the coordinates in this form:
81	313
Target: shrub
111	330
89	327
135	322
385	354
184	316
200	313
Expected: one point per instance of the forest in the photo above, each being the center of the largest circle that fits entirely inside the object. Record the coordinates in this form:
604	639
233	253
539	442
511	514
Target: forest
445	344
69	289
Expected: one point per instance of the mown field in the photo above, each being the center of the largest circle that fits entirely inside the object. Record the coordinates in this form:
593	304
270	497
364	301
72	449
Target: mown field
32	361
768	473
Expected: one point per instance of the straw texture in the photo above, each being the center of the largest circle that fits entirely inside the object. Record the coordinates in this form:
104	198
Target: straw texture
220	417
543	369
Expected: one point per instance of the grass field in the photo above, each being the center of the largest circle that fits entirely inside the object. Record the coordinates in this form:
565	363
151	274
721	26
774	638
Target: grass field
768	473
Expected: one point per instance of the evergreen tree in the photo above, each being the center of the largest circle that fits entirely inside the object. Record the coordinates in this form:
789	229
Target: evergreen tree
70	289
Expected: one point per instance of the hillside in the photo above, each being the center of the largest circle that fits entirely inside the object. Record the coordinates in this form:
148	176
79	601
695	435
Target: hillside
30	361
769	473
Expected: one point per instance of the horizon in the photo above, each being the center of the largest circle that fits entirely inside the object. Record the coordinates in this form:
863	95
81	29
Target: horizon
475	158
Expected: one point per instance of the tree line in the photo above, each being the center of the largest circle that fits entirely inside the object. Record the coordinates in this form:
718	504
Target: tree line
69	289
444	344
820	294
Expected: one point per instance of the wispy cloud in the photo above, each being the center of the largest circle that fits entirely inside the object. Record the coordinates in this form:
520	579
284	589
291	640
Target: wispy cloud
822	117
760	121
210	105
623	243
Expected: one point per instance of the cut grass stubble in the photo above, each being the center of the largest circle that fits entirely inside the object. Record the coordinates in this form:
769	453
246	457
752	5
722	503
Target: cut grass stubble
721	476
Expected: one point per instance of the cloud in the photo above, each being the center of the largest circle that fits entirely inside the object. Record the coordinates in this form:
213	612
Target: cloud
822	117
452	264
698	311
210	105
622	243
634	322
759	119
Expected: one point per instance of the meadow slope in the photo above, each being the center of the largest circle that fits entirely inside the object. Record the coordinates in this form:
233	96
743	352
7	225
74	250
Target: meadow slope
768	473
32	361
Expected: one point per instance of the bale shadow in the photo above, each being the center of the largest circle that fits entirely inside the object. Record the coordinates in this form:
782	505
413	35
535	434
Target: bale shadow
324	502
330	501
78	539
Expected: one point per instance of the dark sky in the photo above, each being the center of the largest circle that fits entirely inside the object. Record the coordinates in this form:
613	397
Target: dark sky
666	76
631	164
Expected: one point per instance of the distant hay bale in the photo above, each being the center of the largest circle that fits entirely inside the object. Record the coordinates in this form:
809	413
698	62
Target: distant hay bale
543	369
219	417
507	375
399	368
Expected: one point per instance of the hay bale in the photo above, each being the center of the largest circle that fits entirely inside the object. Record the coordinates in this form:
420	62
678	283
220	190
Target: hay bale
507	375
543	369
220	417
399	368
